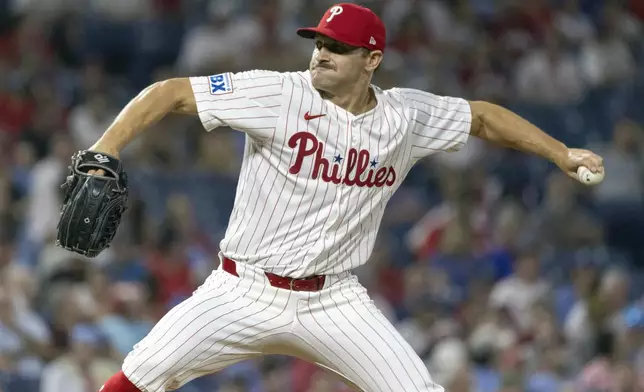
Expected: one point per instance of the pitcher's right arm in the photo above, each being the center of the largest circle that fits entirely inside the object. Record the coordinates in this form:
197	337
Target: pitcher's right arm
149	106
248	101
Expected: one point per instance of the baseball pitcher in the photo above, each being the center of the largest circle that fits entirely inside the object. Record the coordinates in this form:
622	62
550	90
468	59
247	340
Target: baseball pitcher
325	151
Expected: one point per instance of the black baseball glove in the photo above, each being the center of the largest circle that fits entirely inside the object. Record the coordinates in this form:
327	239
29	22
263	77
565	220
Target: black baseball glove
92	205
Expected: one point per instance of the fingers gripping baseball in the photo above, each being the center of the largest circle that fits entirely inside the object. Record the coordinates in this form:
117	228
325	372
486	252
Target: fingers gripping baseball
586	158
584	166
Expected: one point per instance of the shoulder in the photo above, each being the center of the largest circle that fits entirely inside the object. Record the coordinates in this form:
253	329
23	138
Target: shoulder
298	80
394	96
408	95
246	79
423	100
255	79
229	82
262	74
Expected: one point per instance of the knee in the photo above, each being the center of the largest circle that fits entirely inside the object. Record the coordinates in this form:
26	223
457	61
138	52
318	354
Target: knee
119	383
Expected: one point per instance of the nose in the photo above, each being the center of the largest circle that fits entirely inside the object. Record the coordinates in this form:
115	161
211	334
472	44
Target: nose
323	62
324	53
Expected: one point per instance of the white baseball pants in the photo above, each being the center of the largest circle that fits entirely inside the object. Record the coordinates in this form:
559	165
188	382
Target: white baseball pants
230	319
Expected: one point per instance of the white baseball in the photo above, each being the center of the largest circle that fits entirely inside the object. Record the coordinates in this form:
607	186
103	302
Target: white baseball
589	178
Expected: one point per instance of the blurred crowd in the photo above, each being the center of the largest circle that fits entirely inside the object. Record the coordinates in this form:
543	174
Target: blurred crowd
503	274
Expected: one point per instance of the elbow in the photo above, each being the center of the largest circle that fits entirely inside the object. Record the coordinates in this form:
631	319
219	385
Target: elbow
175	94
166	90
182	96
479	127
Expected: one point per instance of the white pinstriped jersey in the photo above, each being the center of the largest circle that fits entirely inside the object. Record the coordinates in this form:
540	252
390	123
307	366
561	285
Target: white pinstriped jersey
315	179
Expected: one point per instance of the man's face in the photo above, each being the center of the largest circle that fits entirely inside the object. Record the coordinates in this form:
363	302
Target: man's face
334	64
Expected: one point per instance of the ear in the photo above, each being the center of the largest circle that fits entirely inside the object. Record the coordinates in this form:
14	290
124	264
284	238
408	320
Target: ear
374	58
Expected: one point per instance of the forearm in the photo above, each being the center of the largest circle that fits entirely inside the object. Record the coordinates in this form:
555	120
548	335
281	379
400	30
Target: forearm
503	127
147	108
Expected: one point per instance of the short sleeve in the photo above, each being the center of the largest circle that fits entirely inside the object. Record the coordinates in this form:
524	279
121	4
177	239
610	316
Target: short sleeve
438	123
249	101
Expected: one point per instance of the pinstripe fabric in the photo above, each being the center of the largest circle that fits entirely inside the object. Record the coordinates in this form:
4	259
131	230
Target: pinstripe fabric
230	319
227	320
313	187
312	192
345	332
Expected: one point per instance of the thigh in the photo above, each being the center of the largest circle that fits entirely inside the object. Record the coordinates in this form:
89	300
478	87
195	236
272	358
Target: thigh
342	330
224	322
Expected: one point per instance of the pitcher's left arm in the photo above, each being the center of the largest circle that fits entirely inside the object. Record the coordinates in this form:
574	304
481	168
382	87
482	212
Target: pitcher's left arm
503	127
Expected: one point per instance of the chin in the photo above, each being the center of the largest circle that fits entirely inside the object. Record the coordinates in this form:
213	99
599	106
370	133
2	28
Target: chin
321	81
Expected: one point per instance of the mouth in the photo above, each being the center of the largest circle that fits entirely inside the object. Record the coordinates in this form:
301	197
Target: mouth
322	66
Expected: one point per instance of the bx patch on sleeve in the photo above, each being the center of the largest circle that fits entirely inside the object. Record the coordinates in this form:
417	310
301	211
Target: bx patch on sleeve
220	84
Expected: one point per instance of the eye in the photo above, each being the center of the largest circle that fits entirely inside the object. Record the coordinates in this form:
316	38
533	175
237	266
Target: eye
318	44
334	48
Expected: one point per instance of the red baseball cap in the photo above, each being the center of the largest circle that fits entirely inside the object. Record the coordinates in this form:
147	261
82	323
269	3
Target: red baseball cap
350	24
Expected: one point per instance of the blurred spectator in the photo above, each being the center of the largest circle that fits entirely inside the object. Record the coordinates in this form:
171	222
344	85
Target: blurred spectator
620	199
168	265
277	374
624	156
546	377
449	359
520	292
15	109
578	329
88	121
45	198
601	373
24	337
615	293
549	75
220	42
601	311
128	322
481	73
563	224
9	215
24	160
573	24
624	23
81	369
634	339
607	60
216	152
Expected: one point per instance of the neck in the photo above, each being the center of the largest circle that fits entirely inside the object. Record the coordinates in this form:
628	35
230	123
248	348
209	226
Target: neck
357	101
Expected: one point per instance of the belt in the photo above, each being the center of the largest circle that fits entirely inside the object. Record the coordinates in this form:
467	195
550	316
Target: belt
313	283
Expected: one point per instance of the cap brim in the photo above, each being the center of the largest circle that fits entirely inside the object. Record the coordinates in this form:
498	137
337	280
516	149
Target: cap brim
307	32
310	32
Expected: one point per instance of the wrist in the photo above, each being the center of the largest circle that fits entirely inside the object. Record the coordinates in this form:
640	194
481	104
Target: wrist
559	153
105	150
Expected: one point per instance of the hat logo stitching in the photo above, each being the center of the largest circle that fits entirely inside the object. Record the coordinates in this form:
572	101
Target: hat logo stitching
334	11
372	41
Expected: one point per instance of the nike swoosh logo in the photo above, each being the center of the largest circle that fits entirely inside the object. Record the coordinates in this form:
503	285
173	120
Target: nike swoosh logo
308	116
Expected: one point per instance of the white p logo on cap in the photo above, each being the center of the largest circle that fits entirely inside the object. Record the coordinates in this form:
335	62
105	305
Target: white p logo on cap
335	11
